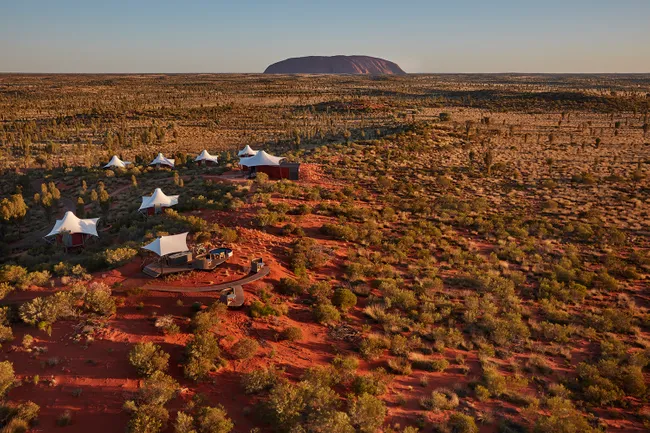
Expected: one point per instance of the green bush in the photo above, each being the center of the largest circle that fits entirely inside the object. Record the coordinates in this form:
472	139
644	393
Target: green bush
326	314
98	300
118	256
344	299
291	333
18	417
7	378
461	423
441	399
562	417
260	380
372	348
158	389
245	348
291	287
213	420
436	364
367	413
374	383
147	418
202	355
147	358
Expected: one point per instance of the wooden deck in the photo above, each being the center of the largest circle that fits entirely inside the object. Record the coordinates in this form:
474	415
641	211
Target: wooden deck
217	287
155	270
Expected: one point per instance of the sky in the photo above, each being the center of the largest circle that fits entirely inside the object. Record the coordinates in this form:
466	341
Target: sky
138	36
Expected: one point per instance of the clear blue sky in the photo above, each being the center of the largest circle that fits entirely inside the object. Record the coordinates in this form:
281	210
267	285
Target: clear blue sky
247	35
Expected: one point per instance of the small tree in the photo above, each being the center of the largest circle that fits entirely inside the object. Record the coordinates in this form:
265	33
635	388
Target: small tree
367	413
488	159
344	299
7	377
213	420
326	313
148	358
81	207
245	348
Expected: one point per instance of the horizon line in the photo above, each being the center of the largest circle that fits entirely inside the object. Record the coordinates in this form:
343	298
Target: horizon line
328	74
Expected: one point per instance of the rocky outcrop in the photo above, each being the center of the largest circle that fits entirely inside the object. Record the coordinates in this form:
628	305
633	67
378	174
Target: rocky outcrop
335	65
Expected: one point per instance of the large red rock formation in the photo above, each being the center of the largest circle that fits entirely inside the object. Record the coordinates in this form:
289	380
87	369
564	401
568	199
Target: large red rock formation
335	65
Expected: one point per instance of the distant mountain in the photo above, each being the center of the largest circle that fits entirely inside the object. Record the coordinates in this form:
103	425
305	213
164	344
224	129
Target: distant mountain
335	65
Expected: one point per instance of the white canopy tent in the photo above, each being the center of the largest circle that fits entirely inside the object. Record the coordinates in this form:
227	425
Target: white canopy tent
165	245
158	199
246	151
117	162
260	158
71	224
161	160
205	156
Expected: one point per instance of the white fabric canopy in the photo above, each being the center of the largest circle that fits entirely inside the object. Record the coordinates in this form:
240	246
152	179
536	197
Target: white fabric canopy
71	224
247	151
160	159
168	244
116	162
205	156
260	158
158	198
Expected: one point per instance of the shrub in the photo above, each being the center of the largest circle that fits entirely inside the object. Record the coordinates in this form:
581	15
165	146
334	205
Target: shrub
374	383
38	310
306	253
400	366
562	417
482	393
461	423
7	377
167	324
147	358
64	419
119	256
292	333
495	382
184	423
326	314
367	413
202	355
213	420
345	367
260	380
18	418
147	418
6	333
245	348
98	300
344	299
372	347
285	405
267	306
289	286
207	319
436	364
158	389
441	399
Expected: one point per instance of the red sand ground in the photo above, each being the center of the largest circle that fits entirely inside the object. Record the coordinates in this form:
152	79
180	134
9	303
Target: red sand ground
92	378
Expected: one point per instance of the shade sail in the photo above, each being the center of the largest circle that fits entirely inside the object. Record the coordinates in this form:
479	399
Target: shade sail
247	151
205	156
116	162
165	245
71	224
161	160
158	198
260	158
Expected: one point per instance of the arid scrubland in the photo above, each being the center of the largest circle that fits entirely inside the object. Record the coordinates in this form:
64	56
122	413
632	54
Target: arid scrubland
461	254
